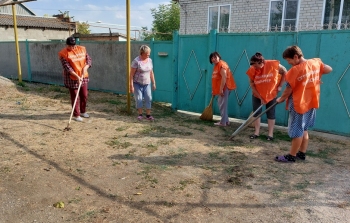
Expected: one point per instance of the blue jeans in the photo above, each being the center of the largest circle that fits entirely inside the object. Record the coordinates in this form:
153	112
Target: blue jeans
142	92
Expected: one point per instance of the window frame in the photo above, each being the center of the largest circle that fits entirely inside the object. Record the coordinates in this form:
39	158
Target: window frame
218	22
284	15
339	17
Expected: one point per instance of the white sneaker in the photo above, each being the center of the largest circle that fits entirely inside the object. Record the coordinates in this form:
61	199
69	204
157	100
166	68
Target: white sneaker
78	119
85	115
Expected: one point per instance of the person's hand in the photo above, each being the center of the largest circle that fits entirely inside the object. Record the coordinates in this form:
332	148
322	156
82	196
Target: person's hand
279	100
131	89
154	87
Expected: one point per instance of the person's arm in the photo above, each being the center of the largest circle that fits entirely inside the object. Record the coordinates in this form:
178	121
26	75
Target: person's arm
68	68
132	72
255	92
286	93
153	81
327	69
223	80
282	71
87	64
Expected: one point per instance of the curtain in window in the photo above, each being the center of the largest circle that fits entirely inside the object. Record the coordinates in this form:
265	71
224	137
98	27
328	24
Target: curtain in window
213	18
224	18
290	16
219	18
331	14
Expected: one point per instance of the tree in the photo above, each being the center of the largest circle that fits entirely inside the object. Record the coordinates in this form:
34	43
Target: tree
166	20
83	28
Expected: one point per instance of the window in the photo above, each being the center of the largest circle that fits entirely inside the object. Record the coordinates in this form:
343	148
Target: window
283	15
336	14
219	18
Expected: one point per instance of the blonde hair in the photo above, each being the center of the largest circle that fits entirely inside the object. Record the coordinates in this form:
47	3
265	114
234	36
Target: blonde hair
144	49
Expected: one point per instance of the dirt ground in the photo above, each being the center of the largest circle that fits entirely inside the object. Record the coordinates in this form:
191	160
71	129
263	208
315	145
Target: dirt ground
113	168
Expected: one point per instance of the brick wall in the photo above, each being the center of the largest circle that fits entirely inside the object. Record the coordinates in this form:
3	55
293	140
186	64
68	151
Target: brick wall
246	15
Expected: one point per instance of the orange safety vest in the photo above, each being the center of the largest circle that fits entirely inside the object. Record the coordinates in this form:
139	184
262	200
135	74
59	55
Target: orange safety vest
76	58
216	78
266	79
304	80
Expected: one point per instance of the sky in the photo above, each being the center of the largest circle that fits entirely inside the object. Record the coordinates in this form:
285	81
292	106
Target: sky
100	14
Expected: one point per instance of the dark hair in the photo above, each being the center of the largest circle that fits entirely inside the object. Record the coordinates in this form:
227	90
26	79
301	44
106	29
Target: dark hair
70	41
291	51
257	58
214	54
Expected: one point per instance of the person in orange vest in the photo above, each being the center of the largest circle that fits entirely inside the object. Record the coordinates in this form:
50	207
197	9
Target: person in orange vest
76	61
303	96
222	84
266	78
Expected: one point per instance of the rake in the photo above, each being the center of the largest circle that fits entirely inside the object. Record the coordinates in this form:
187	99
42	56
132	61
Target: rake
75	102
250	121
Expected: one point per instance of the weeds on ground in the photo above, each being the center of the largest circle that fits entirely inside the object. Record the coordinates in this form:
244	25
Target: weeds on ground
115	143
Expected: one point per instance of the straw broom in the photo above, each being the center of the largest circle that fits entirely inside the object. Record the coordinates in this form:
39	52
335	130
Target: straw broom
207	114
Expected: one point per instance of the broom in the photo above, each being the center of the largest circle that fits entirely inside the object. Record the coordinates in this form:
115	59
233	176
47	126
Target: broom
207	114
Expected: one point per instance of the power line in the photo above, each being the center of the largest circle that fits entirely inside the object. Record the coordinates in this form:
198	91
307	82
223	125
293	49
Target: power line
92	10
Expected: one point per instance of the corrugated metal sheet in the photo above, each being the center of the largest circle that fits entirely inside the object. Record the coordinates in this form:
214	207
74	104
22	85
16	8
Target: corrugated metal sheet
20	10
35	22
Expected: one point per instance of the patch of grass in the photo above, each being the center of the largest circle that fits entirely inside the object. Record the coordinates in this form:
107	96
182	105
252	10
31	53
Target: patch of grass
113	195
295	196
281	136
122	128
168	204
277	193
56	88
162	110
179	155
80	171
183	184
154	129
302	185
88	214
196	121
164	141
74	200
324	154
146	173
225	144
5	169
205	186
118	145
21	84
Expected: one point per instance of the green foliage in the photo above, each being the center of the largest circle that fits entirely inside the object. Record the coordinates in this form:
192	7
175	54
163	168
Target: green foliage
83	28
166	20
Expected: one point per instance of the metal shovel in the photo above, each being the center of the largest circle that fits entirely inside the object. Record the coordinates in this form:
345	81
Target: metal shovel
248	121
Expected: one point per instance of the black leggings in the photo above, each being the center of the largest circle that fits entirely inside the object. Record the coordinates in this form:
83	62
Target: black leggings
256	104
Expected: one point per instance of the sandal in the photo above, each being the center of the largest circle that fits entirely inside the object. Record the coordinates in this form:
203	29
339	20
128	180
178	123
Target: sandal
269	138
253	136
285	159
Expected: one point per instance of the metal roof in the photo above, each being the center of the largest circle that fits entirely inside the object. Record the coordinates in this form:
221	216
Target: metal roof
35	22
